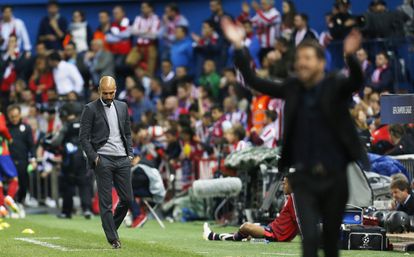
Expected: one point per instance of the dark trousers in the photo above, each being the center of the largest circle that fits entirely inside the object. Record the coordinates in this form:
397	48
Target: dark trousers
69	182
320	198
23	177
113	171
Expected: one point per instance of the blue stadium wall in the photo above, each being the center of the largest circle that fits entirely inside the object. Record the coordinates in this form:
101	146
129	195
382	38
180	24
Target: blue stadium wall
31	11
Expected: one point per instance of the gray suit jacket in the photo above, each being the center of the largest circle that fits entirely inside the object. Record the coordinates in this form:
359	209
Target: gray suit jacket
105	65
94	128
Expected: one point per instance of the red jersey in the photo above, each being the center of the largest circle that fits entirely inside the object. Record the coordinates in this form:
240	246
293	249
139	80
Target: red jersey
4	136
285	226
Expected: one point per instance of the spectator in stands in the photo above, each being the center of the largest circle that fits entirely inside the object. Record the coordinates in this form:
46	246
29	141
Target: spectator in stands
366	65
181	49
267	24
184	97
252	42
235	137
139	103
342	22
408	9
167	76
258	106
288	18
382	23
41	80
156	93
382	77
99	61
52	28
267	137
79	32
146	28
281	59
302	30
232	113
217	13
72	56
9	62
360	118
210	78
403	142
21	149
173	150
119	37
402	195
207	46
171	20
66	75
10	25
142	77
220	124
245	14
103	27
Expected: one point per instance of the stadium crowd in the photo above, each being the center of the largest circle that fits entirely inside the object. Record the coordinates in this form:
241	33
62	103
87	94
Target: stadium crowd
188	105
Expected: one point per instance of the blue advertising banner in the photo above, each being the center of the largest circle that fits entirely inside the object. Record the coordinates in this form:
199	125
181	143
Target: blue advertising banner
397	109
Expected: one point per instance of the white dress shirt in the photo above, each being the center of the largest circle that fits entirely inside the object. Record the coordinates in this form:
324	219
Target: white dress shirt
17	27
67	78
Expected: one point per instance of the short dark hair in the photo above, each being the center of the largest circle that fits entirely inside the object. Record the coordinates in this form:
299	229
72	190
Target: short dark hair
149	4
81	13
7	6
272	115
139	87
312	43
14	107
184	28
384	53
217	107
173	7
209	23
72	44
55	56
239	131
396	130
105	11
401	184
52	2
304	17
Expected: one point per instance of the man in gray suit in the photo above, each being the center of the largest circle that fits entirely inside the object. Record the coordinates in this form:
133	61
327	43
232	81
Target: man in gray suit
99	61
105	136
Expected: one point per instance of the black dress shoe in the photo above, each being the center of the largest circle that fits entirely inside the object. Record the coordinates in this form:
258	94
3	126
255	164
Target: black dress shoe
64	216
116	244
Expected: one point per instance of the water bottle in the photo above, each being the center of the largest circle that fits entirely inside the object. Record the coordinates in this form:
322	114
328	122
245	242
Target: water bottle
259	241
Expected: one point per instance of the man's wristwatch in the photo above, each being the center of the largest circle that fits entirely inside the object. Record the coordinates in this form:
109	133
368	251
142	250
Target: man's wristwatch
130	158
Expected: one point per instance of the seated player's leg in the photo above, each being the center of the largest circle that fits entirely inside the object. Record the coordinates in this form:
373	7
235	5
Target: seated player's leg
9	170
246	230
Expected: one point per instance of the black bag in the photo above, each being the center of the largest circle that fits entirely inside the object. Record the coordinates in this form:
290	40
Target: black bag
359	237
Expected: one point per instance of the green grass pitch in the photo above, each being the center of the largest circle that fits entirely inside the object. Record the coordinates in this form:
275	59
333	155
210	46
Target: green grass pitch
80	237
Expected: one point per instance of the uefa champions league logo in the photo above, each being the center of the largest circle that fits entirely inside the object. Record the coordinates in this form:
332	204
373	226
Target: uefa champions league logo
365	241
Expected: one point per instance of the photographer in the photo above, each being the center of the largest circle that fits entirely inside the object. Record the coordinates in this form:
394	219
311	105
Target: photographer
74	171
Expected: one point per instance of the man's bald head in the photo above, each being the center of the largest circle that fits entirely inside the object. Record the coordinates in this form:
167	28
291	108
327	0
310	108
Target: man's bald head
107	89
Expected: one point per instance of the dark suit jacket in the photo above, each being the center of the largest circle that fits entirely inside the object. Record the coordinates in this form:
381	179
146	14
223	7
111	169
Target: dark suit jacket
336	91
407	207
386	81
308	35
94	128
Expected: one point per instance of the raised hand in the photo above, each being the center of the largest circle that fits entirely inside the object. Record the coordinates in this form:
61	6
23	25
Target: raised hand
233	32
352	42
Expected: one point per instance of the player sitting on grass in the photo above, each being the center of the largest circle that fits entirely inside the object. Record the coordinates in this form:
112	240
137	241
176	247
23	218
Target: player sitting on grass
283	229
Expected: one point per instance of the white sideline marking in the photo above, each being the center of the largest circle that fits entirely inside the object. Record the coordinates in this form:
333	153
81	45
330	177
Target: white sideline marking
53	246
281	254
44	244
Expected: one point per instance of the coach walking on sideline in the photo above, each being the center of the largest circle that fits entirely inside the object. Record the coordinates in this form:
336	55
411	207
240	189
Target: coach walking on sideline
320	138
105	136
